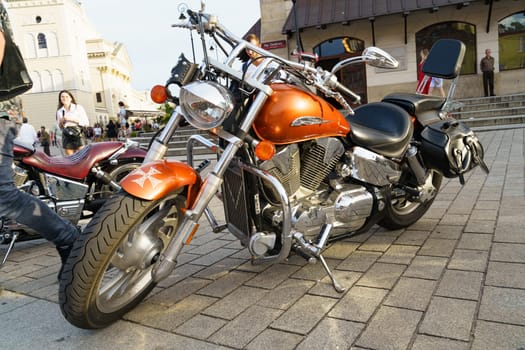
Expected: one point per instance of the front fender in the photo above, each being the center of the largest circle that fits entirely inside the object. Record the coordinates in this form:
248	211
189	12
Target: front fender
157	179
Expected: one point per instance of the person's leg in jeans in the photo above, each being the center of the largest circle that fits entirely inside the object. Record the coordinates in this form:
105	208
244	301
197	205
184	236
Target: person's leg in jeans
486	83
26	209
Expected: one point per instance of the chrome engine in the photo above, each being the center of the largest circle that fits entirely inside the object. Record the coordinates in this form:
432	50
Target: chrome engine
342	202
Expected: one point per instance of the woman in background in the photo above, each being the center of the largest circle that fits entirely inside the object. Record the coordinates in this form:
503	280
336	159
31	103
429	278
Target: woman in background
71	119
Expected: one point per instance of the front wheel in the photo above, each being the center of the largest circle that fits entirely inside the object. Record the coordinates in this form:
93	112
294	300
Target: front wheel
403	212
109	269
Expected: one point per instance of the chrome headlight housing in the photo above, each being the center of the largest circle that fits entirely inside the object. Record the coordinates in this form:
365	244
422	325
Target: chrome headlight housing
205	104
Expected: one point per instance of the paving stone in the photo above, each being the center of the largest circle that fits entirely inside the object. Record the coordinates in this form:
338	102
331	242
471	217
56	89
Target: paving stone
438	247
331	333
200	327
274	339
304	314
450	318
480	226
490	336
358	304
472	260
179	274
235	303
484	214
444	231
340	251
213	257
286	294
10	301
208	247
424	224
219	269
411	293
410	237
460	284
399	254
454	219
169	318
426	267
510	229
390	328
488	205
272	276
506	275
239	332
381	275
503	305
475	241
377	243
507	252
425	342
179	291
226	284
359	261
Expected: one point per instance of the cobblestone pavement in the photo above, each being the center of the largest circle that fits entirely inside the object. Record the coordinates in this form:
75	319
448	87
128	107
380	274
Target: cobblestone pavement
454	280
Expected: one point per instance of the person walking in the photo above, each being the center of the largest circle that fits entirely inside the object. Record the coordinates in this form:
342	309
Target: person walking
27	133
487	69
15	204
423	54
71	119
44	140
111	131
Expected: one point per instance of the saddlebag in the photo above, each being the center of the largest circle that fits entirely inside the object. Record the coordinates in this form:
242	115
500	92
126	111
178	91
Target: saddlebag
450	147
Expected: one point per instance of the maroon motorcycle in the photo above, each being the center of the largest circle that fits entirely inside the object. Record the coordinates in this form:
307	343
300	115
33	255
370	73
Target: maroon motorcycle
74	186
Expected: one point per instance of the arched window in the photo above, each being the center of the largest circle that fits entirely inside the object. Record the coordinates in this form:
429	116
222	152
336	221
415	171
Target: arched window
511	32
47	81
37	83
42	42
58	80
30	47
465	32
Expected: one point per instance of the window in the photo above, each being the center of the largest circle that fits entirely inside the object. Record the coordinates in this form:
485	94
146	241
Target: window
339	46
99	97
42	42
465	32
511	32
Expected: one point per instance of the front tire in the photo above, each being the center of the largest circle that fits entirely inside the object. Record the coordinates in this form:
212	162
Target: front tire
402	212
109	269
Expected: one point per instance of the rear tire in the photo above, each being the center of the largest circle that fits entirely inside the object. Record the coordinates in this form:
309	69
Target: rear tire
109	269
403	213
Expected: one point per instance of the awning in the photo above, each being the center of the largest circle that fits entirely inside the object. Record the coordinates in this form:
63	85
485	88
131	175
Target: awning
319	13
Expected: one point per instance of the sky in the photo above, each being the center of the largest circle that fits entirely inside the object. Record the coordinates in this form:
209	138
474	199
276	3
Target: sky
144	27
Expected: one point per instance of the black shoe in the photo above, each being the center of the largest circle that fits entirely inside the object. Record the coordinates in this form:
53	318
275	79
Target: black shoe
64	252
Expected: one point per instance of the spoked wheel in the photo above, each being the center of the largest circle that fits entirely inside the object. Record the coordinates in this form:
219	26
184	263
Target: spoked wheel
402	212
109	269
116	175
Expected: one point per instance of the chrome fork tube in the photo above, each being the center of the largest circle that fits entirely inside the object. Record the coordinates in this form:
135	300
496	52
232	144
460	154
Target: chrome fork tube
159	146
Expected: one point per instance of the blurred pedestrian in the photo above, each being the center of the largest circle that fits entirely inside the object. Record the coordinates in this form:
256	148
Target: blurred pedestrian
487	68
436	83
27	133
422	89
72	119
44	140
111	131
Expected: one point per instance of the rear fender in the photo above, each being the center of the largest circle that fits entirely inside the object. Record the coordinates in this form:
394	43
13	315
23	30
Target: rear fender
157	179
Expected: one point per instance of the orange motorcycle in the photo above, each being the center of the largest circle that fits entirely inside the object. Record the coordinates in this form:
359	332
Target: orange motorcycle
293	171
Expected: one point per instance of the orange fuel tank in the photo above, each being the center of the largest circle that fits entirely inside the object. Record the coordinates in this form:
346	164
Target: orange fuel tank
292	115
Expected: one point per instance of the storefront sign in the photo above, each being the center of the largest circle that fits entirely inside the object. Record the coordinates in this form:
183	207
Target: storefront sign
272	45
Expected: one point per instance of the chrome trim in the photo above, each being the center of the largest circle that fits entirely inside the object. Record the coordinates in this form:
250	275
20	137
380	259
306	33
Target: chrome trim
306	120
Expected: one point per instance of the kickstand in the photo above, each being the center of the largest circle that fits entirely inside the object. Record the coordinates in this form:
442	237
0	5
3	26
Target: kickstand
336	285
9	248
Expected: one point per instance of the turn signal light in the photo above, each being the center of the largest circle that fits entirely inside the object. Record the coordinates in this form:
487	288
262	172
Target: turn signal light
159	94
265	150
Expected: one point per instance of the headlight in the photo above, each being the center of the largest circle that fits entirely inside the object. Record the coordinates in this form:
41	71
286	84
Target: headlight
205	104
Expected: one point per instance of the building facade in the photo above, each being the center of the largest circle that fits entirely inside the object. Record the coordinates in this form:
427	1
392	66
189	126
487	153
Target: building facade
63	50
337	29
